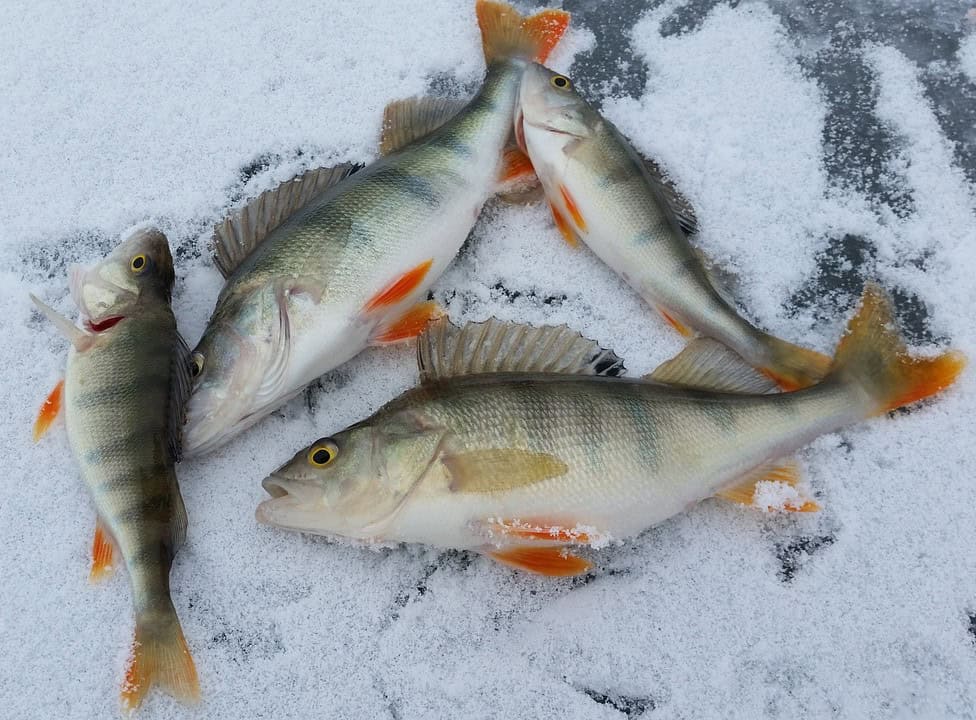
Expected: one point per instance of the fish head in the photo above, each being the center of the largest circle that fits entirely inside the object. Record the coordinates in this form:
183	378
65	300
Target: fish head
139	267
550	115
351	484
238	369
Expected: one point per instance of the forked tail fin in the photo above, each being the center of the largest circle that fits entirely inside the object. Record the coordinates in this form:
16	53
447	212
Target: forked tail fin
505	33
160	656
872	356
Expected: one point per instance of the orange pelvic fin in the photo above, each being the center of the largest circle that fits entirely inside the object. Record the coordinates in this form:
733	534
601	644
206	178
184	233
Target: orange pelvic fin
49	411
551	561
160	656
573	208
410	324
677	325
515	166
102	554
565	229
785	473
399	288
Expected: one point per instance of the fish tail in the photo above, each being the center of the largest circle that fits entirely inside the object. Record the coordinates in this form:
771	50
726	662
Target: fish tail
506	34
873	357
793	367
160	656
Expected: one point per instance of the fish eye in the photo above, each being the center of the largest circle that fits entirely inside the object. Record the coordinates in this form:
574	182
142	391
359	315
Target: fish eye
322	453
196	365
138	263
560	81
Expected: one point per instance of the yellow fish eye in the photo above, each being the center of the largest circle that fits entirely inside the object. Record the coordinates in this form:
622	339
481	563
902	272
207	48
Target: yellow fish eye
138	263
322	453
561	82
196	364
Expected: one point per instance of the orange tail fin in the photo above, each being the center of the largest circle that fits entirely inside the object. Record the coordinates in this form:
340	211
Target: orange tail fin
49	411
873	356
505	33
160	656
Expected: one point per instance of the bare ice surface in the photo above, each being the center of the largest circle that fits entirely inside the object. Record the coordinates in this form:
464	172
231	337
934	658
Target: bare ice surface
822	143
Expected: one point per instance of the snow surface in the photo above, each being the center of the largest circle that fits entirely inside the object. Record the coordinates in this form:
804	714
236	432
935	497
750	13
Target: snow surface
816	156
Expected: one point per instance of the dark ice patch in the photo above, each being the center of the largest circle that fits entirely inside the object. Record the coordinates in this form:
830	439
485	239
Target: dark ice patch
611	68
690	16
793	553
631	706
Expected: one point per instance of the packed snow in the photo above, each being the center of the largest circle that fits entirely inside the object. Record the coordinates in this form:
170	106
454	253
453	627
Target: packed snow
816	154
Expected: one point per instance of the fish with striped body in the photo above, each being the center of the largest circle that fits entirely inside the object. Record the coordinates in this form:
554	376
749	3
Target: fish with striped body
601	190
517	444
124	394
323	266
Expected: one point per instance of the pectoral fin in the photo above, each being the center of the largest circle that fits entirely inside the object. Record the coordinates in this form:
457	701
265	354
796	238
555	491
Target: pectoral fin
551	561
400	288
496	470
785	473
565	229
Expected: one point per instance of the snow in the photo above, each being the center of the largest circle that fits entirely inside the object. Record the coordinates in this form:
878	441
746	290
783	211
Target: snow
114	115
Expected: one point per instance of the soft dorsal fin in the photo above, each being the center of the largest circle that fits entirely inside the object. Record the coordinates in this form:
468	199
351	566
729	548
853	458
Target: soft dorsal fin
445	350
246	227
179	393
706	364
407	120
677	204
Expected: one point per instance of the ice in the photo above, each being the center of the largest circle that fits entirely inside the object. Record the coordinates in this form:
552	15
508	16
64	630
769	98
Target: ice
112	115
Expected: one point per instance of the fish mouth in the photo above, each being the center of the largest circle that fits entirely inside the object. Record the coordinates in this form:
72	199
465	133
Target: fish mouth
274	487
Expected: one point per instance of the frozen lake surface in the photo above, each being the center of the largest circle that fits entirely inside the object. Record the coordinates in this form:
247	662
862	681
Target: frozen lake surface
822	143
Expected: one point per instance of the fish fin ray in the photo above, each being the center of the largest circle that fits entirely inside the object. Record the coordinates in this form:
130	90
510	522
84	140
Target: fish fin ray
160	656
707	364
495	470
71	332
245	228
103	554
564	228
550	561
517	183
540	530
400	288
408	325
873	357
49	411
572	208
679	209
683	329
445	350
784	472
410	119
180	386
505	33
793	367
274	376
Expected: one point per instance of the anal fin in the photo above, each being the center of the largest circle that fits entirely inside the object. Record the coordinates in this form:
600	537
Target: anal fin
400	288
410	324
550	561
675	323
565	229
50	409
102	554
787	497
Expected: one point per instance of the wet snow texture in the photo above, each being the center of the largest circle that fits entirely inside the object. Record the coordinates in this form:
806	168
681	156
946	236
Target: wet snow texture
822	142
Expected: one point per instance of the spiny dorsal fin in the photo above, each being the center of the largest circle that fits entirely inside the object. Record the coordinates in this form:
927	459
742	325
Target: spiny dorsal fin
407	120
445	350
246	227
680	208
785	473
706	364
